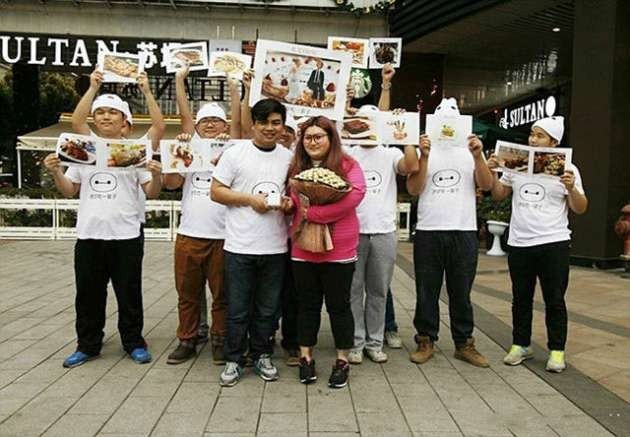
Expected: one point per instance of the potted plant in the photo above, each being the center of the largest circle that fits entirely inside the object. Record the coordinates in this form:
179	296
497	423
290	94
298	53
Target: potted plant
496	216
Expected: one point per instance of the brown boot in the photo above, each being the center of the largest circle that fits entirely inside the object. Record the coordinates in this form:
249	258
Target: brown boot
467	352
218	357
424	351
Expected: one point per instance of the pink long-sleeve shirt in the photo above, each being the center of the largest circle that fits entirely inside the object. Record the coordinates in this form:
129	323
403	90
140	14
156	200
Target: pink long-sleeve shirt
340	215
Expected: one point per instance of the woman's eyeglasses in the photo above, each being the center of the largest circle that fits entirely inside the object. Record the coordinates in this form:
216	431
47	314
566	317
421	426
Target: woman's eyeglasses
314	138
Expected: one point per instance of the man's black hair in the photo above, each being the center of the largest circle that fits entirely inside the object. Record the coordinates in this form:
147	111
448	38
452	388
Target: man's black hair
264	108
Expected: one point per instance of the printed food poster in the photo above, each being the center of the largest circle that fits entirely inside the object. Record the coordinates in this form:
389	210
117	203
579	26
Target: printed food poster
532	161
551	161
309	80
385	51
127	153
120	67
194	54
360	130
75	150
449	130
357	47
229	64
513	158
196	155
399	128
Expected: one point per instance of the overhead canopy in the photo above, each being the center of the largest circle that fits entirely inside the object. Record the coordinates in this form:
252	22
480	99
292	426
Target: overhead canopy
45	138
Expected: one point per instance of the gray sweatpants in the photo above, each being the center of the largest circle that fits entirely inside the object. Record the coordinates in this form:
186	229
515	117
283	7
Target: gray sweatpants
372	276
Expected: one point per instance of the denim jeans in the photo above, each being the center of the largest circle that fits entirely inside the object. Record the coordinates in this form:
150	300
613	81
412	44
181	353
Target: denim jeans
436	253
390	314
253	285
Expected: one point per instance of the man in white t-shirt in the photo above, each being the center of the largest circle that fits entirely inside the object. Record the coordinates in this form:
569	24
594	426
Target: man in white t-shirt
539	242
109	235
377	241
199	243
445	241
250	180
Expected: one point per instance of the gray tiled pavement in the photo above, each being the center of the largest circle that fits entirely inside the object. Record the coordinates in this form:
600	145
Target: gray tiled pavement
112	396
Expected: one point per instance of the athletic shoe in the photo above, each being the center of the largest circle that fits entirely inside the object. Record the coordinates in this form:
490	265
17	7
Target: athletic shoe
265	369
378	356
77	358
517	355
307	371
231	374
140	355
392	339
339	376
556	362
355	357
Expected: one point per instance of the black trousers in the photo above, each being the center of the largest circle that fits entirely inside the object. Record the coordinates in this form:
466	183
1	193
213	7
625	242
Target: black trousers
289	309
319	282
436	253
95	263
550	264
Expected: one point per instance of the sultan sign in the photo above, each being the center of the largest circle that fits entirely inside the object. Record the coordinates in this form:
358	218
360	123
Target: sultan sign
528	113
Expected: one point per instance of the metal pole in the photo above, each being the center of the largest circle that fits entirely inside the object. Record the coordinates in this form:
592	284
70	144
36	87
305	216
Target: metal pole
19	168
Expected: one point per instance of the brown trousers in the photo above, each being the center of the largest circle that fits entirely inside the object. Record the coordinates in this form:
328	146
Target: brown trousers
198	260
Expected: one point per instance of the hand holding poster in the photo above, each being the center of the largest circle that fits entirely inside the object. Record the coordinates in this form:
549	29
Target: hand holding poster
449	130
532	161
309	80
120	67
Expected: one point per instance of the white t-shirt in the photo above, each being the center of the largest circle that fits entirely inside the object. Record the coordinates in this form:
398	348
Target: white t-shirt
108	202
201	216
448	201
247	169
377	210
540	211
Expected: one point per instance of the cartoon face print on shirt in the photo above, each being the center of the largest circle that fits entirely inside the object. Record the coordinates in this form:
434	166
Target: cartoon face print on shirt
202	180
446	178
532	192
103	182
265	188
373	179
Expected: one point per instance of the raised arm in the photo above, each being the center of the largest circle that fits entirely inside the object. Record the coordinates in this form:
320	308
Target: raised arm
158	127
409	162
576	199
154	186
387	74
499	190
417	181
483	176
82	111
246	114
187	122
235	108
335	211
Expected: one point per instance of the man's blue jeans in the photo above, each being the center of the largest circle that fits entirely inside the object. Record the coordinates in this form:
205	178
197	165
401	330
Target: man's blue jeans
253	284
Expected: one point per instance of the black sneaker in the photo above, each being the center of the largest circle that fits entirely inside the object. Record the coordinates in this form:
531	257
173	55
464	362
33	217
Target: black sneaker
183	352
307	371
339	376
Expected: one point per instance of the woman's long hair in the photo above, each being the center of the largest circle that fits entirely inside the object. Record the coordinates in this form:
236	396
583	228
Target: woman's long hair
333	160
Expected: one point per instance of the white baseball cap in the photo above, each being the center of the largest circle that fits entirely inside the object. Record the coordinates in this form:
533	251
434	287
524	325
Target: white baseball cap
554	126
111	101
127	113
367	110
210	110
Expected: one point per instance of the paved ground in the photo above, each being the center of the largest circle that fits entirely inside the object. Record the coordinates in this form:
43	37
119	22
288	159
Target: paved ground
113	396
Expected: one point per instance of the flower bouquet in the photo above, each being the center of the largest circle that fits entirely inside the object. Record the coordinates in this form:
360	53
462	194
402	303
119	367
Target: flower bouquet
317	186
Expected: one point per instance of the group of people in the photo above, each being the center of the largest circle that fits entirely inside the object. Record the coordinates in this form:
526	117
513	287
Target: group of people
237	242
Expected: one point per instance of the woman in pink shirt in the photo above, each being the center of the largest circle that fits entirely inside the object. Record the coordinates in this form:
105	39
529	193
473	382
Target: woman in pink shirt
327	275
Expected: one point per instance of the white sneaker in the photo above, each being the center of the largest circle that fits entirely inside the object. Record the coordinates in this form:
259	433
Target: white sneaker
517	355
231	374
355	357
393	340
378	356
556	362
265	368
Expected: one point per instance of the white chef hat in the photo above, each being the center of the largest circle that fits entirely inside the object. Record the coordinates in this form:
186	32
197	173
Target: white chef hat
554	126
210	110
367	110
127	112
111	101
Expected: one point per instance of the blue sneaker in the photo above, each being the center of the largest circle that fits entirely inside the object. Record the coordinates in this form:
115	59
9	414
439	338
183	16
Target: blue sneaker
77	358
140	355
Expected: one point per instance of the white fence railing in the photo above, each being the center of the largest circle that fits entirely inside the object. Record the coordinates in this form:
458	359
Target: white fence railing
54	215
